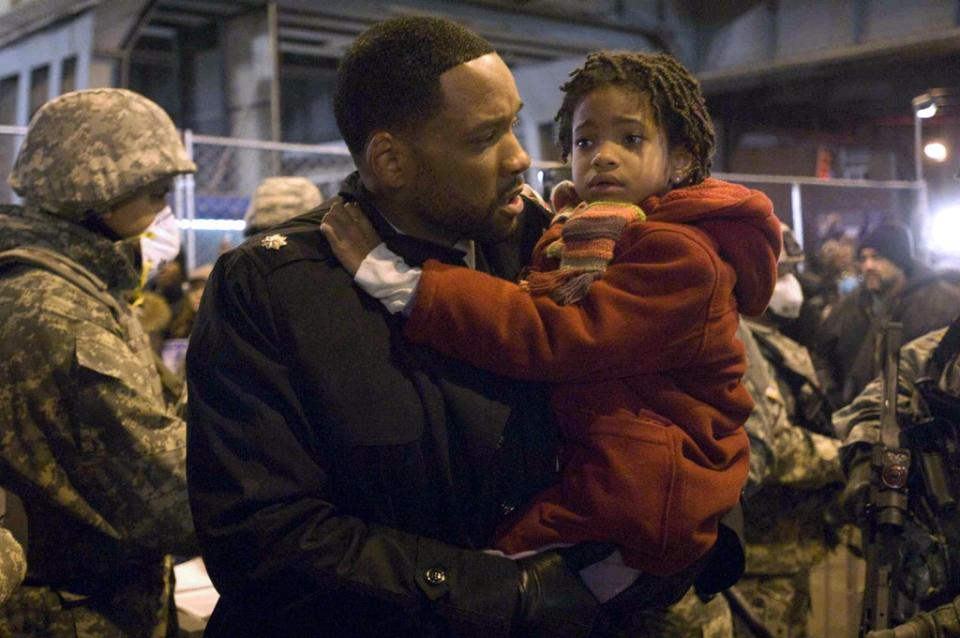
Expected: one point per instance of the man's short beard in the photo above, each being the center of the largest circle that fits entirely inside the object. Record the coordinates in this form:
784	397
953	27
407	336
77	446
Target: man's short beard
443	210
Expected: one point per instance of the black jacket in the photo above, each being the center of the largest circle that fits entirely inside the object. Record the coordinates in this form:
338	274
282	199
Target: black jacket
342	479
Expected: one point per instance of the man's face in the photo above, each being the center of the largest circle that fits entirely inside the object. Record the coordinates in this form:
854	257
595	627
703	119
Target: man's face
469	163
879	273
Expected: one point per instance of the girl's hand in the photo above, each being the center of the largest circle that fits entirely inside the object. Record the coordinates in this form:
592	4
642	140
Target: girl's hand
350	234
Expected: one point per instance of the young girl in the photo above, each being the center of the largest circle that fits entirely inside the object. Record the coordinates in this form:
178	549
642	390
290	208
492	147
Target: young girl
630	308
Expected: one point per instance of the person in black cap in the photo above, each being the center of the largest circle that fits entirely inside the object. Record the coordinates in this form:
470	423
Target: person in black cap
895	286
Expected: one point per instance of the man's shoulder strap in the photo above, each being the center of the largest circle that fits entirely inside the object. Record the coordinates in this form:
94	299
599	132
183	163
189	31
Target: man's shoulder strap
66	268
946	350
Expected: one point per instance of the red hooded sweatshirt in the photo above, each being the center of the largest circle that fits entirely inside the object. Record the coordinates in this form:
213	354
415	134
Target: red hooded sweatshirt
646	369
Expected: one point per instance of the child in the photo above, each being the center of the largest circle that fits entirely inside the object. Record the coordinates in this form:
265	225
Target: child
630	308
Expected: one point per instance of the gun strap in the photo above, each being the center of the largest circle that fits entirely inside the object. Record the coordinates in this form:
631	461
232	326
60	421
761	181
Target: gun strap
946	350
741	608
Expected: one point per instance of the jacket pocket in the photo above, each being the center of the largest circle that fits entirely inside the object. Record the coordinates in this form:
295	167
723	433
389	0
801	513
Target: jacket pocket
103	352
620	473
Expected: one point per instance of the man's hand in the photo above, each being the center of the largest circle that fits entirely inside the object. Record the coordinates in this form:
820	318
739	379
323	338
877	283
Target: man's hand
553	601
350	234
530	193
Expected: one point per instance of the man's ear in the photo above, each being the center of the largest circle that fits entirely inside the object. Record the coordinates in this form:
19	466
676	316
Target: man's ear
388	160
681	163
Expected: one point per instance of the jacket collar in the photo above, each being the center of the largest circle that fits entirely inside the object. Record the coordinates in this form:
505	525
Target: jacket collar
31	226
414	251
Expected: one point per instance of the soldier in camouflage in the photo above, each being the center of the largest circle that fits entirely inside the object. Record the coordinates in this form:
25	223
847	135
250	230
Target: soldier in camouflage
925	569
786	531
794	471
278	199
89	443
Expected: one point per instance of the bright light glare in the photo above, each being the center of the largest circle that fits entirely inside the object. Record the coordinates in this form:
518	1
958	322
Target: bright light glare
212	224
927	111
944	231
935	151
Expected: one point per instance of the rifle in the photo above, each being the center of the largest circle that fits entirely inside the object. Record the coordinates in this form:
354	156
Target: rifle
886	508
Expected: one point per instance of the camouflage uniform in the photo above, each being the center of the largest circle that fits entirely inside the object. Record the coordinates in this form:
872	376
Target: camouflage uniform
691	617
89	444
278	199
784	522
13	564
925	570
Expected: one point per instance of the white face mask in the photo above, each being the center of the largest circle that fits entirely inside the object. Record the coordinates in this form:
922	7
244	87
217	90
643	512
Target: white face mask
787	297
160	242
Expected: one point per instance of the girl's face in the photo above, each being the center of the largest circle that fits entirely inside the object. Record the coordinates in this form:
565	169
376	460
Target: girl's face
620	153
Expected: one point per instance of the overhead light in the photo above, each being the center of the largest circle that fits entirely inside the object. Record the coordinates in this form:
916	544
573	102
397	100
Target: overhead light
925	106
935	151
943	231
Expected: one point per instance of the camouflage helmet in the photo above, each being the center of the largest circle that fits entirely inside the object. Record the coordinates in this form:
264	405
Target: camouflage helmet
278	199
792	252
88	150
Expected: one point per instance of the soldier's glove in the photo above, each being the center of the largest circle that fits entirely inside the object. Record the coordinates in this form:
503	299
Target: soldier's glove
553	600
942	622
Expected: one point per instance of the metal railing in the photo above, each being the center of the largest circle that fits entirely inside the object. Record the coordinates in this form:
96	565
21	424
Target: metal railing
212	203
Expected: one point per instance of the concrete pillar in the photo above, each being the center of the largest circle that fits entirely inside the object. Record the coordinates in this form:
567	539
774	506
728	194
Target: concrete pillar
249	55
23	98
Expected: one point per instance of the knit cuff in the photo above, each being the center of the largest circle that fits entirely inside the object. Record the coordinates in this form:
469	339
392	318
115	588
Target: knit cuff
620	209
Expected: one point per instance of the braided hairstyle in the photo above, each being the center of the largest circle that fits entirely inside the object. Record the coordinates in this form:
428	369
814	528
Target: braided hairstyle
678	104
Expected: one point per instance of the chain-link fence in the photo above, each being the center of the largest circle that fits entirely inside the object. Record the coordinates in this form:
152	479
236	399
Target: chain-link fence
212	203
10	138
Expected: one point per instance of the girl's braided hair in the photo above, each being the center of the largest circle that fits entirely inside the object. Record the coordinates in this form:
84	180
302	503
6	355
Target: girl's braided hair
678	104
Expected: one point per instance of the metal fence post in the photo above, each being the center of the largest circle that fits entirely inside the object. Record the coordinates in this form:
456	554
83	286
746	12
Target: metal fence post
190	205
796	209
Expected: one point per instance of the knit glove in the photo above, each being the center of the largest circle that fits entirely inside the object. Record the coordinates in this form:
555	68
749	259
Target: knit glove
590	233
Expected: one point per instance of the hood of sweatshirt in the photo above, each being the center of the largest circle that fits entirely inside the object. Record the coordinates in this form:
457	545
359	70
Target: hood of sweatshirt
741	221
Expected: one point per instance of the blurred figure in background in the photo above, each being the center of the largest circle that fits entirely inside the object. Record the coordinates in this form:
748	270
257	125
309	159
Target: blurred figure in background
89	441
785	526
895	287
840	269
178	336
807	405
169	279
155	315
182	324
278	199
